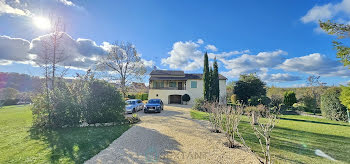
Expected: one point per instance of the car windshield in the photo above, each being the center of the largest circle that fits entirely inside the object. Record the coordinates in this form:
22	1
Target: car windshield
130	102
153	101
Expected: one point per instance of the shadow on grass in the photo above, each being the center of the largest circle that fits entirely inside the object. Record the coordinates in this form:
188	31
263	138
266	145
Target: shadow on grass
77	144
317	122
300	142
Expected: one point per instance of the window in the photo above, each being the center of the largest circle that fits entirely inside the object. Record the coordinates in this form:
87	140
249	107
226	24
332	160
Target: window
172	84
193	84
158	84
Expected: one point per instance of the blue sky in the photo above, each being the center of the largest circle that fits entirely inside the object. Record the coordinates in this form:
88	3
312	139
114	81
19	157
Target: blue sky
278	40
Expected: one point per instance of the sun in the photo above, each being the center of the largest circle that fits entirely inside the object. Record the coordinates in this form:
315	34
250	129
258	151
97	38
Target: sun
41	22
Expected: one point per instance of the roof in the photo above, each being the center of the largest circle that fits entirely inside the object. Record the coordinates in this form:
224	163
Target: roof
167	72
186	77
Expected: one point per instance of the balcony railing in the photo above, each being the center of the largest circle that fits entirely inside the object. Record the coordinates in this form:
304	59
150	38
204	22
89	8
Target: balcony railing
169	88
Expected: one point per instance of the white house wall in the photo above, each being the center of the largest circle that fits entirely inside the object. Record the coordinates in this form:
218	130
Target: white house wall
192	92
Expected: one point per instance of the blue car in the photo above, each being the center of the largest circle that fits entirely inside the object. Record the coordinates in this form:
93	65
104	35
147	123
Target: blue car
154	105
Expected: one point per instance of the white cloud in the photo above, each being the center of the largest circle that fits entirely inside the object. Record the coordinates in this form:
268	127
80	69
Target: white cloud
211	47
226	54
184	56
13	49
327	11
200	41
277	77
252	63
7	9
148	63
80	54
315	64
66	2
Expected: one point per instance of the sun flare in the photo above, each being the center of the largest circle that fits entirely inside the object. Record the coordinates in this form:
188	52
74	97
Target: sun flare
42	23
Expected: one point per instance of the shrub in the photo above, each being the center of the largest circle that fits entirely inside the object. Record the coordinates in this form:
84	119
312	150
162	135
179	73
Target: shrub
84	100
331	106
144	96
199	104
310	103
186	98
105	104
289	98
131	96
233	99
255	100
276	100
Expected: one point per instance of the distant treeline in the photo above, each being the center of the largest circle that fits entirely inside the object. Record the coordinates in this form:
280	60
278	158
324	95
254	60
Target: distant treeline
20	82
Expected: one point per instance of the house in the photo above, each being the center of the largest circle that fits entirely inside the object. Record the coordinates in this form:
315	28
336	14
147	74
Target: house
171	85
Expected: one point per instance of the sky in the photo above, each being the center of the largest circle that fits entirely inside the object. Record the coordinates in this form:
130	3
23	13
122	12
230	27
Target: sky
278	40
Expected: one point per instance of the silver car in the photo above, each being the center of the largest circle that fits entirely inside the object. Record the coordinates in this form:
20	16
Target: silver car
134	105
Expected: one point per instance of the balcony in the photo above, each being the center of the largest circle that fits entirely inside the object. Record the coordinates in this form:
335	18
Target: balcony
169	88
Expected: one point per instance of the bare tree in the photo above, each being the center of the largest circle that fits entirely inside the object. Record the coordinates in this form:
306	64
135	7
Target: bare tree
232	117
315	86
263	132
216	115
123	63
52	52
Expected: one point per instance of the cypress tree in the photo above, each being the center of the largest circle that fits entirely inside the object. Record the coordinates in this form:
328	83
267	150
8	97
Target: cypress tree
206	78
210	96
215	81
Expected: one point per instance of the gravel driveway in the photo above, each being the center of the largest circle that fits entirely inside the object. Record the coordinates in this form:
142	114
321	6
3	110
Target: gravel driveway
171	137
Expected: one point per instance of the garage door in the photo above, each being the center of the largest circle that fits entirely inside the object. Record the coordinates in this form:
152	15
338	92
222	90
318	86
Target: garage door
175	99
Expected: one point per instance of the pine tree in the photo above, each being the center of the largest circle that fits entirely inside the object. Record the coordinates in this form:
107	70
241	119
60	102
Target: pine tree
206	77
215	81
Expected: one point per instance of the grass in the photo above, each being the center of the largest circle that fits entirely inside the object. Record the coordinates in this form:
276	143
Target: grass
295	138
19	143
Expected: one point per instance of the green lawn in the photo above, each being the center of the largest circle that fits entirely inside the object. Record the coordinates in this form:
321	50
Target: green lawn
19	143
295	138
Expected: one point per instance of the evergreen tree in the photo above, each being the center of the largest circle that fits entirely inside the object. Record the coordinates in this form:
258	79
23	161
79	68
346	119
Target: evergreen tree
211	84
206	77
215	81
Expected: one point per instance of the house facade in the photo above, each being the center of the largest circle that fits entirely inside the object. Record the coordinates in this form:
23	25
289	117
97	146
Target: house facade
169	86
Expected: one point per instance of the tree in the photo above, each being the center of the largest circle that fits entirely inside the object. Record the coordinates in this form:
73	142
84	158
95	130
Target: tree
342	31
8	94
331	106
186	98
52	54
211	82
206	78
124	64
249	85
215	82
289	98
345	99
314	90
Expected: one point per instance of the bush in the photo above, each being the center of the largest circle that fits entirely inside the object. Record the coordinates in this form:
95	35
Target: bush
199	104
310	103
104	104
234	99
289	98
84	100
9	102
186	98
331	107
255	100
131	96
276	100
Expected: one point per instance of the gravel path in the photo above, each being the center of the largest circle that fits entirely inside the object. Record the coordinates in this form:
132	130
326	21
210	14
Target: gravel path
171	137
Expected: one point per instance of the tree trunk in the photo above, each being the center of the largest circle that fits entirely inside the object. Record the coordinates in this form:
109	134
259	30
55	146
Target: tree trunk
254	117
